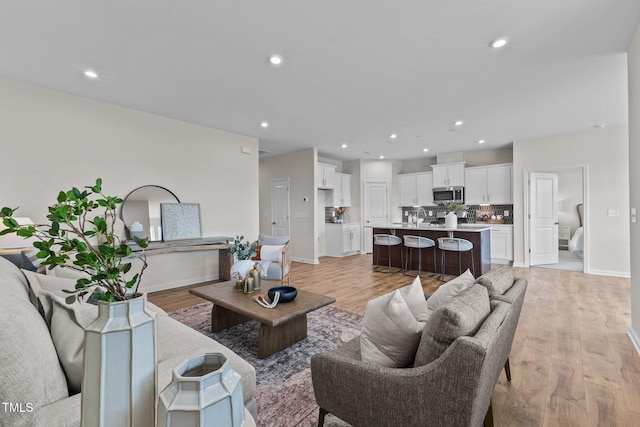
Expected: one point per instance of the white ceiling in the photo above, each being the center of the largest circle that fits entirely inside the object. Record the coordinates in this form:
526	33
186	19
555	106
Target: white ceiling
354	72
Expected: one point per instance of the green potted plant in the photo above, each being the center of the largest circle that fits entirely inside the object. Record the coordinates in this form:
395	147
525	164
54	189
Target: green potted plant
73	239
460	209
243	250
80	235
242	253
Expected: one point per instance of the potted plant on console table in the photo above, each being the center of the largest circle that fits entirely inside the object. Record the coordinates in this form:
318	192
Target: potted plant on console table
119	383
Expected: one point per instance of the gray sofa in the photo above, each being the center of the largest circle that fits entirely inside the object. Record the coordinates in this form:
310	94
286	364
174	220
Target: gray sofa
462	351
32	381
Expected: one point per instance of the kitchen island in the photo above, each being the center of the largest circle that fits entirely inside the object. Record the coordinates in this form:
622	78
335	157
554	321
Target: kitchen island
479	235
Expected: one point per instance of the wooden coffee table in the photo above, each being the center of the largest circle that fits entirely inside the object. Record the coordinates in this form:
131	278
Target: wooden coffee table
280	327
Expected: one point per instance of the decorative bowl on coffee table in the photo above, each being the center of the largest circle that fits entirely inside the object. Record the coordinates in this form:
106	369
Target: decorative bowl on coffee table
287	293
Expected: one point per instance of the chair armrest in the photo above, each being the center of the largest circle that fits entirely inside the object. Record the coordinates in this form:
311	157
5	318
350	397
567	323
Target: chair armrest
286	260
361	393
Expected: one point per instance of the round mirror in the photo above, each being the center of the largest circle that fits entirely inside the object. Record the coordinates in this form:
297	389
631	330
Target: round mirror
142	206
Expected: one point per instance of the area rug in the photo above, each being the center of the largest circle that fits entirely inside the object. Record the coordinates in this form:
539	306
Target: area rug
284	392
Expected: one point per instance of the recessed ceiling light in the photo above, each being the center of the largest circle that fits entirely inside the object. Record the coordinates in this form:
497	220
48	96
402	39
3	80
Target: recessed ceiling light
600	126
393	136
275	60
481	141
264	124
382	157
344	145
458	122
424	150
498	43
90	74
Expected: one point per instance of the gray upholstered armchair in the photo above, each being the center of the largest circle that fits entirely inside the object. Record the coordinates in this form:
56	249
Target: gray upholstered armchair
452	388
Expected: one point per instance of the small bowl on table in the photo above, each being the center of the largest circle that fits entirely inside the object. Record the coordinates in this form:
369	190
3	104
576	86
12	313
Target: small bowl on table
287	293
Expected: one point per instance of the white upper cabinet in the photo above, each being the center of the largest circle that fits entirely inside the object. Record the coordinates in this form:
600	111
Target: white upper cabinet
449	174
326	175
488	185
341	194
416	189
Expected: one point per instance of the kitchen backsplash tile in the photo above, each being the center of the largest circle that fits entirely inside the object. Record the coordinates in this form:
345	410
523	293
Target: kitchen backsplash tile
471	215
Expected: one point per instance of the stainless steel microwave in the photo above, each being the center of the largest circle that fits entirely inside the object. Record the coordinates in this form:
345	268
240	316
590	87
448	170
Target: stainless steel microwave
442	195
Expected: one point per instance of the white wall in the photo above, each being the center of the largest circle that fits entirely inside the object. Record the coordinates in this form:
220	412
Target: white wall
53	141
634	177
604	152
300	168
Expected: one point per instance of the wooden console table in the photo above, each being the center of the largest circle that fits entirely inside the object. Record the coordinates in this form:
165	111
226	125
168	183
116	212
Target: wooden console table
219	243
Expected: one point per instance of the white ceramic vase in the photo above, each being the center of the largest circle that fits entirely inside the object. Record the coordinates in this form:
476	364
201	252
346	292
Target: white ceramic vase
119	384
241	267
205	391
451	220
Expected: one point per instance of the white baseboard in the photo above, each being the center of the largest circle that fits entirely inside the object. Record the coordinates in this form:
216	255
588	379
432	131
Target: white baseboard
305	260
519	264
634	339
610	273
178	284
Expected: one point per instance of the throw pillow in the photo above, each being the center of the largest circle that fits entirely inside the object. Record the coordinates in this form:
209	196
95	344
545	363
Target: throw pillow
67	323
448	290
271	253
256	257
497	281
41	282
390	332
66	273
462	315
414	297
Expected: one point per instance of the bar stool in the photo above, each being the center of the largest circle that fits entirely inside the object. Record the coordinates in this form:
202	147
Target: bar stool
419	243
454	244
387	240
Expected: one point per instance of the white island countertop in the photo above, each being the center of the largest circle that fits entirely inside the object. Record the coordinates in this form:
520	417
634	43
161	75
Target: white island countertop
433	227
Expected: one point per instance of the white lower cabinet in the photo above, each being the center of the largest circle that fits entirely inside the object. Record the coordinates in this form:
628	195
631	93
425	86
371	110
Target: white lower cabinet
342	239
501	243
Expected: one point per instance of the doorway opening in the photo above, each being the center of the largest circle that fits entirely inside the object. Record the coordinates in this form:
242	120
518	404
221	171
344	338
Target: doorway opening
556	218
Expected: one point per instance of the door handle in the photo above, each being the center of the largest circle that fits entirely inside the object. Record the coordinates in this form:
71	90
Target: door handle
273	223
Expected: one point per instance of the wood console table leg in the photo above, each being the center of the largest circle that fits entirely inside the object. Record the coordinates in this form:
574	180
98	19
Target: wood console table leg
221	318
272	339
225	261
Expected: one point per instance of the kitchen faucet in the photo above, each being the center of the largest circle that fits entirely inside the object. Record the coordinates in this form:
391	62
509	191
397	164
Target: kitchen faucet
418	209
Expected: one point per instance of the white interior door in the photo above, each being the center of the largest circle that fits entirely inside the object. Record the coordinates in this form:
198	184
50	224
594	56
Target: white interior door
280	207
376	209
543	218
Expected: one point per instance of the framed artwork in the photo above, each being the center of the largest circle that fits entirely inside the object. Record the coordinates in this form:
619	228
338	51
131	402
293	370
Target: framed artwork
180	221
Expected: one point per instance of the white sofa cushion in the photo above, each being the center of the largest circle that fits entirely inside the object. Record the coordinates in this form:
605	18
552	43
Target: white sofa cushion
29	368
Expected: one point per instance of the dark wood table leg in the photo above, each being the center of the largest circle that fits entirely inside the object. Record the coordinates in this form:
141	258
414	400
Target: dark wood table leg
225	261
272	339
221	318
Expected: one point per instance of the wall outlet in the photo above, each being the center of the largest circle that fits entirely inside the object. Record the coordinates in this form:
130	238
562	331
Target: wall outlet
613	212
506	214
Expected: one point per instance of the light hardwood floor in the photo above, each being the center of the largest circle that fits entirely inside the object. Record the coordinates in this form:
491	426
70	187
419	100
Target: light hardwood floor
572	362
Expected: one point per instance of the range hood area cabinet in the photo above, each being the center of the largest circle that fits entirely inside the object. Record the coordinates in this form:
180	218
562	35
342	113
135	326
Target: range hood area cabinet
341	193
489	185
326	175
448	174
415	189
